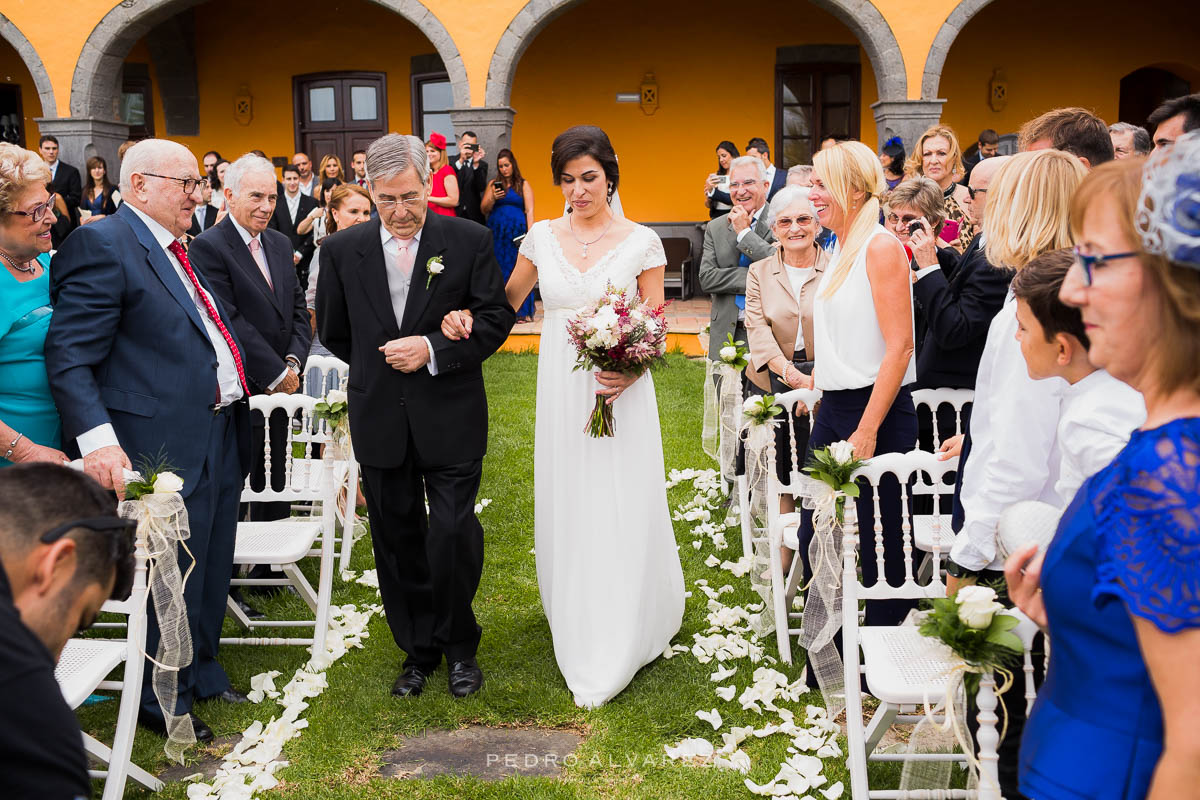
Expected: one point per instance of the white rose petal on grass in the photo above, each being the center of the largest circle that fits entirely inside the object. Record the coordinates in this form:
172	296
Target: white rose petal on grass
690	748
722	674
711	717
712	561
167	482
726	693
834	792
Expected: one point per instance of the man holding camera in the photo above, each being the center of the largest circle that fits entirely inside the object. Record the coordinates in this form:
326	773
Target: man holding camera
472	172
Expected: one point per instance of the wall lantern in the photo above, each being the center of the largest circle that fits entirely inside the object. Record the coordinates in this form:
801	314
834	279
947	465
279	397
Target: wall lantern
649	94
243	106
998	90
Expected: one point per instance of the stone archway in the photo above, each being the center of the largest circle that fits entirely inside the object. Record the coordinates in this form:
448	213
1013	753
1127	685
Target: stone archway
862	18
963	13
33	62
95	88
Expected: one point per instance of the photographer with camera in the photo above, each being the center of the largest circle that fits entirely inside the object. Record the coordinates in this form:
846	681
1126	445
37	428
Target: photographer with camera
472	172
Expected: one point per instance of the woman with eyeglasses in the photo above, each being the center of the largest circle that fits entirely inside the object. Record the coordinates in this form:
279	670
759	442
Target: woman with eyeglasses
1118	588
779	321
938	157
30	429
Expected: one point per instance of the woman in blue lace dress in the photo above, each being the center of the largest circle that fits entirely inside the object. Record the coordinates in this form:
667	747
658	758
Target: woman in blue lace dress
508	204
1118	588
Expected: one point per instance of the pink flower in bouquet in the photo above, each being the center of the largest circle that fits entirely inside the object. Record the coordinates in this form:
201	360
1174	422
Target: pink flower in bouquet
619	332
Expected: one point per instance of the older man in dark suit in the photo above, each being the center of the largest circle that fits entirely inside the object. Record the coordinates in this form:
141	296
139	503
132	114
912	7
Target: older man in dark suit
418	412
251	269
142	360
731	244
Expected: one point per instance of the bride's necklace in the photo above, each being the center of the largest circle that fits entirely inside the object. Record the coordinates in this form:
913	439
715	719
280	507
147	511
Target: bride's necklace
571	225
28	267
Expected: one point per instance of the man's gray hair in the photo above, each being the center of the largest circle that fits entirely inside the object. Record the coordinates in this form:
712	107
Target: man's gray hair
785	198
390	155
803	171
149	155
749	161
244	166
1141	136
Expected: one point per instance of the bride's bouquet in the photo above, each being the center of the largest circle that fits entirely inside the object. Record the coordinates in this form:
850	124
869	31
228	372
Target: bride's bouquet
619	332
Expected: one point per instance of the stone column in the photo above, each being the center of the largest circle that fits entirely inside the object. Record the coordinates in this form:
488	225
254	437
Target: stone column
493	126
907	119
80	138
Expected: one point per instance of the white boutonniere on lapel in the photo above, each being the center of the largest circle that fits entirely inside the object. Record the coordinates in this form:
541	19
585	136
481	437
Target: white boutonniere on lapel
433	267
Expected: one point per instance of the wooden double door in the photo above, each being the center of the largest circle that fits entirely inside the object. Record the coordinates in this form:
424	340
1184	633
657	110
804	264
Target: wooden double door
339	112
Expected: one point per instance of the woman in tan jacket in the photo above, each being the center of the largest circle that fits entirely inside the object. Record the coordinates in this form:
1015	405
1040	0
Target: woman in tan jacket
779	319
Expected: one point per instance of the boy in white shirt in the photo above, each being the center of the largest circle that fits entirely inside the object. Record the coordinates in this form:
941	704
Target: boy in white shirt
1098	411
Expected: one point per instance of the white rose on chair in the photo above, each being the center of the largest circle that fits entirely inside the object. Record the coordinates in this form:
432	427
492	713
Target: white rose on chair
842	452
167	483
728	353
335	396
976	606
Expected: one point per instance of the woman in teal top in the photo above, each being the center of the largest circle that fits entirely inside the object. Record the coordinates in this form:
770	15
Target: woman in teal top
30	429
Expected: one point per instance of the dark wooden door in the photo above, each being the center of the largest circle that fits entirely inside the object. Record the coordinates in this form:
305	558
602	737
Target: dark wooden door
1146	89
339	112
812	102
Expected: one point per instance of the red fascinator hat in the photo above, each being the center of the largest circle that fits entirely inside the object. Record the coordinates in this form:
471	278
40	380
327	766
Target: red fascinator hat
437	140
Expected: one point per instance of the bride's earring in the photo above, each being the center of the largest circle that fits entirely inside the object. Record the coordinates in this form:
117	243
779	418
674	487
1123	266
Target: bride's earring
610	193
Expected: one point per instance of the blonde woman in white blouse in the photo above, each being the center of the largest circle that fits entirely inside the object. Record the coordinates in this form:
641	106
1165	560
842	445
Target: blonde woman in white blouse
863	337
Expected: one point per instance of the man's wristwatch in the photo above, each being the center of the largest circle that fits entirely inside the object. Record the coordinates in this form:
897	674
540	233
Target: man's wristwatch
294	363
956	570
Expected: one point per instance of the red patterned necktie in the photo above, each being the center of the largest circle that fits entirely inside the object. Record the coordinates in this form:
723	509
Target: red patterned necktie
177	250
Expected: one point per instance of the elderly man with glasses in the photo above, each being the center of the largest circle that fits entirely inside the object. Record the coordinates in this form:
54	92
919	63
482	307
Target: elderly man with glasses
142	360
731	244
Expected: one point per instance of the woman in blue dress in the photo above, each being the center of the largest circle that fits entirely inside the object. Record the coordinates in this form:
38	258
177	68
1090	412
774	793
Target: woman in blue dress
30	429
508	204
1118	588
100	197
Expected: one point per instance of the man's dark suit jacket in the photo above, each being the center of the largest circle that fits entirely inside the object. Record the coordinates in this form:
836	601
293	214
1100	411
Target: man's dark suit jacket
127	346
270	323
281	221
69	187
444	415
777	184
958	312
472	180
210	219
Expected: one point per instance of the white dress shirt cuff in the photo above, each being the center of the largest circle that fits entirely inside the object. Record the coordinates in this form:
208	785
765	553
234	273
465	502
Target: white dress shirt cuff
279	380
742	234
432	365
98	437
923	271
975	548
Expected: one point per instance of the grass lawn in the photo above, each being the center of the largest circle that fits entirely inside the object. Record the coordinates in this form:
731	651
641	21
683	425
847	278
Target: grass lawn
622	756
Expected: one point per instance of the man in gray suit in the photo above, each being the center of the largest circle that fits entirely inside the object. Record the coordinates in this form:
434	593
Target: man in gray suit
731	244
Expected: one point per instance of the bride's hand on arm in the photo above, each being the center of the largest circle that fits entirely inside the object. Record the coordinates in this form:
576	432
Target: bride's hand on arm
612	384
457	325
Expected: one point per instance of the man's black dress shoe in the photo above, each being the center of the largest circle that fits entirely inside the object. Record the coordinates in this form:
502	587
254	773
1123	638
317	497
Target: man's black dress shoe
229	696
247	609
466	678
157	725
410	683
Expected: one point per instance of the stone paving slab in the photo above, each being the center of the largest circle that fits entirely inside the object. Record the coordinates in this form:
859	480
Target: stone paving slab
486	753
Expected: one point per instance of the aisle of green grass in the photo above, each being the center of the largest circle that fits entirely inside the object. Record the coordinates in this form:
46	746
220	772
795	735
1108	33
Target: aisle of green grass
622	755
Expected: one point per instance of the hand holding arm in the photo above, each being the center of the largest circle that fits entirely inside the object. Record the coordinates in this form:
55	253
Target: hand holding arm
1023	574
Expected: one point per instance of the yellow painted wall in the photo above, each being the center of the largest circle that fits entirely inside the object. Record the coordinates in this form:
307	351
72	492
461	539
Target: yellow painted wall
57	31
254	53
715	82
12	70
1081	56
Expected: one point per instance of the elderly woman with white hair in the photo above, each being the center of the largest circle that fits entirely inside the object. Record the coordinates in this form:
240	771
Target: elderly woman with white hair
30	429
779	318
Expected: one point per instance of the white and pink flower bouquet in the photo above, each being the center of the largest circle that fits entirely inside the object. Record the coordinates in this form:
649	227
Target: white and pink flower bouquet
619	332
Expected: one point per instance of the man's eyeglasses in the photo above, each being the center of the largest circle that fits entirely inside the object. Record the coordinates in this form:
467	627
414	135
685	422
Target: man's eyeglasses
38	212
747	184
1088	263
972	191
189	184
409	203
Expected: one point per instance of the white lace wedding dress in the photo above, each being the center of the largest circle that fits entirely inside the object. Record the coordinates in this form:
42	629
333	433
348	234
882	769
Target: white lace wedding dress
608	569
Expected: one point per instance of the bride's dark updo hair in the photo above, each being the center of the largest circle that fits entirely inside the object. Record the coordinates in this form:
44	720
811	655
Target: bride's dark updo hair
585	140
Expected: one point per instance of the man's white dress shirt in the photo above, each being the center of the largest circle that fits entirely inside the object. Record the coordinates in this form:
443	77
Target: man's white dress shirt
1099	413
399	283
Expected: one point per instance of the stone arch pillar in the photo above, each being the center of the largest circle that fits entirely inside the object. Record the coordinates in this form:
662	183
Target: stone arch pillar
33	62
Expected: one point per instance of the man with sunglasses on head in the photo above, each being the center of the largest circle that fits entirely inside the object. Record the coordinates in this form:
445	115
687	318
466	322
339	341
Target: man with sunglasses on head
63	553
142	358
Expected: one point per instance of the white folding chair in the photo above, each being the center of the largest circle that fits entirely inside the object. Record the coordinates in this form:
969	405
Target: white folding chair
322	373
283	544
84	667
771	535
933	399
902	667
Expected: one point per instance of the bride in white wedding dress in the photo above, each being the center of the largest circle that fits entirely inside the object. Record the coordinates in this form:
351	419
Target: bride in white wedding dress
607	565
